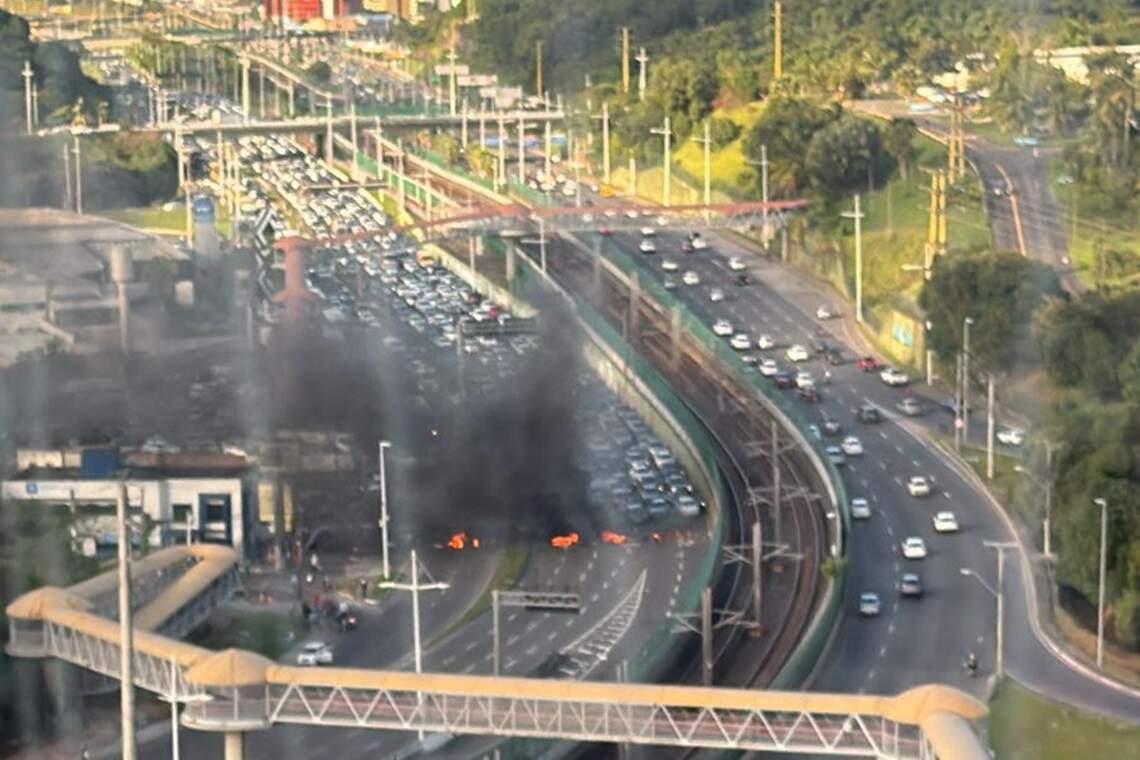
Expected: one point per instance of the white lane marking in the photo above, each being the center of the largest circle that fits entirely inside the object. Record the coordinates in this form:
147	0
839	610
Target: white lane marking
891	628
891	532
531	650
882	465
552	636
582	578
882	435
595	597
883	650
899	449
512	617
469	669
447	660
470	646
531	627
569	622
511	641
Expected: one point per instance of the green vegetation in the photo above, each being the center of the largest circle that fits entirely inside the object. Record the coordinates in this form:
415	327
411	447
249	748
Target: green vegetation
152	217
1025	726
66	94
1001	293
269	633
35	550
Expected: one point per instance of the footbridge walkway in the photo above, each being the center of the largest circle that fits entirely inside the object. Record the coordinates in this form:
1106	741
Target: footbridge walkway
235	691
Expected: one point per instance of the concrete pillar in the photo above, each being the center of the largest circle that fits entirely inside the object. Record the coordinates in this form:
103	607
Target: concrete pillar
634	299
245	104
675	335
261	91
234	745
510	264
292	110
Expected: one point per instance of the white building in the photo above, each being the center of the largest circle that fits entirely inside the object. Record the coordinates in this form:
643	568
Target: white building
168	505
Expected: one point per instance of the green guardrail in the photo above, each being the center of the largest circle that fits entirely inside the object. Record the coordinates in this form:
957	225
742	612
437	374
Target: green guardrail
812	645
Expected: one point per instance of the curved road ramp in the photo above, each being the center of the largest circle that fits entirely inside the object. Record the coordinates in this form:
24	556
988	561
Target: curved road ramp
236	691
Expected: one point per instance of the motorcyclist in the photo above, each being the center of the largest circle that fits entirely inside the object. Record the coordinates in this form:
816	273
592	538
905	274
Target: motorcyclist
972	663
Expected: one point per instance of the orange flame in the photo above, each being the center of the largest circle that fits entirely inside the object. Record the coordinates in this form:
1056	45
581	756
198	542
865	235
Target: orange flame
564	542
610	537
457	541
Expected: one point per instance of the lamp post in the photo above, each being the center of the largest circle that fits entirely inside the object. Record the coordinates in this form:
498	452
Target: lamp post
998	595
666	133
1046	485
1103	504
384	446
966	377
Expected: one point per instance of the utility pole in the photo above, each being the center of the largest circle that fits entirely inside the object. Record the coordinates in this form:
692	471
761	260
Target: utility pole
1103	504
522	152
379	148
66	177
857	215
78	177
463	125
706	143
328	130
966	377
126	644
764	190
990	428
642	72
777	520
958	403
632	175
605	118
625	60
451	85
546	148
28	74
384	446
502	151
777	42
667	134
538	68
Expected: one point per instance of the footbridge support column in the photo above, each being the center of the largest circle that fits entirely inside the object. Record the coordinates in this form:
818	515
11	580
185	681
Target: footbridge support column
235	745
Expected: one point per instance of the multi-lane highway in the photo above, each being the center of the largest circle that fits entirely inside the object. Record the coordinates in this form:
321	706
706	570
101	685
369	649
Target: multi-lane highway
913	640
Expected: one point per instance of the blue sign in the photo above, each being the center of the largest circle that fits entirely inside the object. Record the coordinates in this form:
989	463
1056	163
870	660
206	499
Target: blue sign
31	488
202	209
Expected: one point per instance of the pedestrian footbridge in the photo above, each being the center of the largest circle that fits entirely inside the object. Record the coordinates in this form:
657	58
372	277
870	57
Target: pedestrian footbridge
234	691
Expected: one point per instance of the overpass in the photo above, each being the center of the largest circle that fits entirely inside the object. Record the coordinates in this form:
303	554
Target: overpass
237	691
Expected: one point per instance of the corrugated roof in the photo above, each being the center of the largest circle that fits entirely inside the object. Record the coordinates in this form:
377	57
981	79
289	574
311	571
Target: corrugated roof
34	604
952	737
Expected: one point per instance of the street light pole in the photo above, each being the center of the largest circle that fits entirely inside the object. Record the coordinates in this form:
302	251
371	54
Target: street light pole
126	642
1103	504
384	445
857	215
966	377
666	133
999	596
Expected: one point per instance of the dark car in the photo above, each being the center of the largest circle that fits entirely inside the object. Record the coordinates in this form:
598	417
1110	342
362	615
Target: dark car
910	585
808	395
743	279
869	414
784	380
835	357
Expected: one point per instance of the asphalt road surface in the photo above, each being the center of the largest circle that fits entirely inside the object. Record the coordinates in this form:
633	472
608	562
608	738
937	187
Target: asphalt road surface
912	641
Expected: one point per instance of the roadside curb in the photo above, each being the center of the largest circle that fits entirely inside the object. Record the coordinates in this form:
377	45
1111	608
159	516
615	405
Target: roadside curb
1058	651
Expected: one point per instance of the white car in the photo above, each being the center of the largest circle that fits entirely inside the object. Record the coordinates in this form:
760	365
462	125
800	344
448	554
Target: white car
823	312
796	353
860	509
836	456
737	264
768	367
691	278
669	265
918	485
648	232
740	342
914	548
1011	436
699	243
647	246
869	604
716	295
722	327
765	342
894	377
852	447
945	522
804	380
315	653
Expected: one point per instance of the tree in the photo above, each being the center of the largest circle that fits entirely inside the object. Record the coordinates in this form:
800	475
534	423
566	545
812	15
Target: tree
319	72
786	127
722	132
1001	293
898	139
844	156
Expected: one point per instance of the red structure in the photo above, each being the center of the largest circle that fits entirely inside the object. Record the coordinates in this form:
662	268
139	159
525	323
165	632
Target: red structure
300	11
295	296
